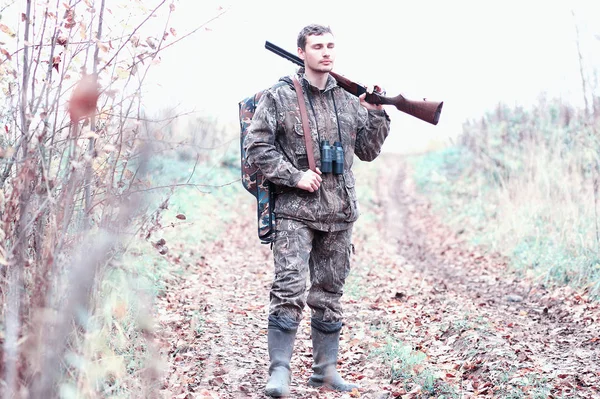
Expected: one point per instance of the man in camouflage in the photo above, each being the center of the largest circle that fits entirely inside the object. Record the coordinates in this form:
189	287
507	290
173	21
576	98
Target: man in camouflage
314	211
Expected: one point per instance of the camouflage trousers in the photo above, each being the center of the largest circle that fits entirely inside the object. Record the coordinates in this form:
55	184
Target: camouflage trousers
300	251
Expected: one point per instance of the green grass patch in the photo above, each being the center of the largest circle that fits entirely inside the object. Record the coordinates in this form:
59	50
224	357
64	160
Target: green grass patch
408	367
515	385
114	348
203	195
524	184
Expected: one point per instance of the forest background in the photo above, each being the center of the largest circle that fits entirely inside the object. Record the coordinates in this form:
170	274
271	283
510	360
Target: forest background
89	198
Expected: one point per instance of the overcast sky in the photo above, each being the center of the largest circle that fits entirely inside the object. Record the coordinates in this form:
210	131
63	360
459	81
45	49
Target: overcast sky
470	54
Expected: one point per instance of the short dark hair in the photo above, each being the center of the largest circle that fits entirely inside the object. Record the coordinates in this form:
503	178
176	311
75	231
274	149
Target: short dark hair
309	30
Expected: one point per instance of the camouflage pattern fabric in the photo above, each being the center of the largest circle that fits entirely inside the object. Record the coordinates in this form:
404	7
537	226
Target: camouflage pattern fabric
298	249
252	178
275	145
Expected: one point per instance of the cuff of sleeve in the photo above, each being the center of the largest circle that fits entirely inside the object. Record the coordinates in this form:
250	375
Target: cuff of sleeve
380	113
296	176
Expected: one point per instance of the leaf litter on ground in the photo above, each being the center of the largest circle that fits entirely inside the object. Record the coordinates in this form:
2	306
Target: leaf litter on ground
427	314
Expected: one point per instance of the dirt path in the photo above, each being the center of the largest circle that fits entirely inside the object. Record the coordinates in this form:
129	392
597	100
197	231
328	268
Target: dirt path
517	339
425	314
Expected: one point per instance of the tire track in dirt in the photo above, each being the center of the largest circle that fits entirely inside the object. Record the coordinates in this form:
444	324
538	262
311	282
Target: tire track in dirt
415	282
212	322
534	334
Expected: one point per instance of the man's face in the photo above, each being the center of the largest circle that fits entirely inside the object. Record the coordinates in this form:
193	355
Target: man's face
319	52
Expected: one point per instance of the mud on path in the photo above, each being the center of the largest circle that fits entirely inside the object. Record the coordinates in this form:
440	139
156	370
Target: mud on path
426	314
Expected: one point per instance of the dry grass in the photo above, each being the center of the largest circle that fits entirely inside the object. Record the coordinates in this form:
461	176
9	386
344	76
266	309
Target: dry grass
524	183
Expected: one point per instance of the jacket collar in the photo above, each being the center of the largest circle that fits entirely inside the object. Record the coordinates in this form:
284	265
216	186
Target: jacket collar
331	82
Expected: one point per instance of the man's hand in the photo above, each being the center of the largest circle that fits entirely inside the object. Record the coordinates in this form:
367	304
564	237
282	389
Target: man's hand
371	89
310	181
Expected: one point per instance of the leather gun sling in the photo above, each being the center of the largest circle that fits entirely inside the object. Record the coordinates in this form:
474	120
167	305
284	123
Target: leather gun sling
305	126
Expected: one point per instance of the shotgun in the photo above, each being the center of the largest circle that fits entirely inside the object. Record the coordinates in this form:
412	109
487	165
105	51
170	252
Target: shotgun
428	111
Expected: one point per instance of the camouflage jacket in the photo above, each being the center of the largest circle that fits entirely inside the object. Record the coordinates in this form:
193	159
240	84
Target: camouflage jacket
275	144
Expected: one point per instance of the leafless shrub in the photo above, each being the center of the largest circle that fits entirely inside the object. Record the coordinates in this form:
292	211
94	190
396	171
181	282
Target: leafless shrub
72	178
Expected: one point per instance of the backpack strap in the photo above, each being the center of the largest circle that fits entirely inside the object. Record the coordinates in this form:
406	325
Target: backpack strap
305	126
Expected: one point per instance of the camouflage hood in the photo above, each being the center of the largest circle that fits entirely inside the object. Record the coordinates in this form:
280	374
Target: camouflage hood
275	144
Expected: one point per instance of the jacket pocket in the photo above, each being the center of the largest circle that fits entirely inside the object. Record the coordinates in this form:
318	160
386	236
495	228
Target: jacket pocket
301	158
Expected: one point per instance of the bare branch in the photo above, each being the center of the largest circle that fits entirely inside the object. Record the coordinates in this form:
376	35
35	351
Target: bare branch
131	35
583	80
140	59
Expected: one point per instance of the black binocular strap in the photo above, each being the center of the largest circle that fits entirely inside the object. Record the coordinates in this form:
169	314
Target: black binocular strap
305	126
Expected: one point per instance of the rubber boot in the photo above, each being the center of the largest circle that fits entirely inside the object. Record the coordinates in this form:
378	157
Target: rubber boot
326	340
281	344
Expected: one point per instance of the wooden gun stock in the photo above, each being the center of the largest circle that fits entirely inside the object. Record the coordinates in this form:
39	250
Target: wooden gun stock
428	111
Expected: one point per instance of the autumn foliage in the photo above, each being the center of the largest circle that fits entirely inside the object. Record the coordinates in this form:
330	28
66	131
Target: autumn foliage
73	182
84	98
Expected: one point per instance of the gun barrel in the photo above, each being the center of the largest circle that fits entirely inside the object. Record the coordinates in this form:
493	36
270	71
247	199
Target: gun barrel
428	111
283	53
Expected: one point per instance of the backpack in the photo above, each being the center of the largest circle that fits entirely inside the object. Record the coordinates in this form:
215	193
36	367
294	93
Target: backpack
253	180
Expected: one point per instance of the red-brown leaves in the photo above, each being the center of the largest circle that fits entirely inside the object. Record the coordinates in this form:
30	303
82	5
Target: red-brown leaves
62	40
56	62
70	18
5	53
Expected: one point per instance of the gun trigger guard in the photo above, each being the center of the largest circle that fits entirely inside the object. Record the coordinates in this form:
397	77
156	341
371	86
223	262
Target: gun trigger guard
379	90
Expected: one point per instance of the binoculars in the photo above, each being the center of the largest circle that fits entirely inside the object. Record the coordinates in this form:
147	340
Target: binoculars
332	158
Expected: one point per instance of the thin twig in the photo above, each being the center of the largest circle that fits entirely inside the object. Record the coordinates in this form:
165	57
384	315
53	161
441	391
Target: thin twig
152	55
194	169
109	62
581	72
